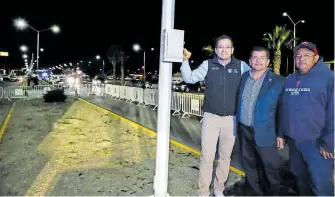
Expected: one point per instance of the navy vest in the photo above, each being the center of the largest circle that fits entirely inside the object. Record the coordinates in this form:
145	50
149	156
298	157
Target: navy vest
221	87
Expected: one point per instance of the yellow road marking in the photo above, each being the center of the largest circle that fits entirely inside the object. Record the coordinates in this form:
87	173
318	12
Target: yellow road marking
5	123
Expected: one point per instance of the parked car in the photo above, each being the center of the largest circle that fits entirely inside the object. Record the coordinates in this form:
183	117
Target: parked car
135	83
186	87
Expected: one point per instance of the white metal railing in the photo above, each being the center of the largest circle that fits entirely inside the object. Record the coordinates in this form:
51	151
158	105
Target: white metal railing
176	103
191	104
17	92
183	104
151	97
40	90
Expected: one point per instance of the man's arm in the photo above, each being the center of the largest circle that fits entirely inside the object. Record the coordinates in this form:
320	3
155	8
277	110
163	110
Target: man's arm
278	111
327	136
196	75
244	67
280	135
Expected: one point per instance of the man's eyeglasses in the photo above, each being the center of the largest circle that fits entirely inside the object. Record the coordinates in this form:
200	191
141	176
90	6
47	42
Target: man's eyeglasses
306	55
258	58
225	47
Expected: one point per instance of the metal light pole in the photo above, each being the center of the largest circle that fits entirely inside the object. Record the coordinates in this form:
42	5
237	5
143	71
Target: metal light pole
144	66
103	66
137	47
294	24
164	103
22	24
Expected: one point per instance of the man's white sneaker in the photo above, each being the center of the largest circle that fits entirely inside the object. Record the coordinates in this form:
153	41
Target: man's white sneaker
219	194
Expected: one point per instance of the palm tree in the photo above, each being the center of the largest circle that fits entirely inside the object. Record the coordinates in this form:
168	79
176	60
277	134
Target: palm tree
208	49
279	39
123	57
113	56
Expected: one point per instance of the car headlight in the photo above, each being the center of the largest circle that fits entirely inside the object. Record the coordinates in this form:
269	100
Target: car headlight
70	80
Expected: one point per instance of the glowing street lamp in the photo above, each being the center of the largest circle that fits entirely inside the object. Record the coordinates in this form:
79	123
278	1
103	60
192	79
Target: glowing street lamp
22	24
23	48
137	47
294	24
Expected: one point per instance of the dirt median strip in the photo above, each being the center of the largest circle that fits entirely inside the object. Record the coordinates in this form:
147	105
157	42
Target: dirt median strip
178	144
73	149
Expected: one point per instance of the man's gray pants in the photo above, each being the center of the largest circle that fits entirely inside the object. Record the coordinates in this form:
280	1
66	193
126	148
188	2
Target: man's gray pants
215	128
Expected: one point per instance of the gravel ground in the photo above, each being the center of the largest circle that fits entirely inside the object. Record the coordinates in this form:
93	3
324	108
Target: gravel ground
4	109
72	149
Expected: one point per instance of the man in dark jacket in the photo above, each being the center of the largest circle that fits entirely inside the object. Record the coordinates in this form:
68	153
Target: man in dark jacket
307	121
259	95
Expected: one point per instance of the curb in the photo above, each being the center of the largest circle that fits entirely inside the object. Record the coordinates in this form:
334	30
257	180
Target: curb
5	122
178	144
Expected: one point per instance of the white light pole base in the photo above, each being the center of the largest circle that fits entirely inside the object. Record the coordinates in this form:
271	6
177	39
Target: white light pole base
167	195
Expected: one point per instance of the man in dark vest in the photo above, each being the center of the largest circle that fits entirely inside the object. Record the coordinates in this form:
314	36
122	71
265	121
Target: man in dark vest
222	76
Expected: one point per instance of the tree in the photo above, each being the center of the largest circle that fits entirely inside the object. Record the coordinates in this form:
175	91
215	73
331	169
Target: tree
67	71
116	54
208	49
123	57
113	56
279	39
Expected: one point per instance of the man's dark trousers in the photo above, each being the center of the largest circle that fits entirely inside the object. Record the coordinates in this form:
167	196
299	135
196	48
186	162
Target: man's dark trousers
313	174
261	165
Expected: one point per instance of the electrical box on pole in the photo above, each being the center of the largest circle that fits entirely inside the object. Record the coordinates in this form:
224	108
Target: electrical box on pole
173	41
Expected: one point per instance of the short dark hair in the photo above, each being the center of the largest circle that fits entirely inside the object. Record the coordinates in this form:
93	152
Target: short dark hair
224	36
259	48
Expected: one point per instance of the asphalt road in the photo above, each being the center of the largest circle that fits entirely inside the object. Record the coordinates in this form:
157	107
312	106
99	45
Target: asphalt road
8	83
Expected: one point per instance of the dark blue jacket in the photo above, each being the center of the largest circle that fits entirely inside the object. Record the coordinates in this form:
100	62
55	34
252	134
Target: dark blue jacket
265	111
307	106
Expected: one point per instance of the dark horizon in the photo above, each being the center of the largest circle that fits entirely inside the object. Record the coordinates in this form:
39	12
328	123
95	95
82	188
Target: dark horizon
88	30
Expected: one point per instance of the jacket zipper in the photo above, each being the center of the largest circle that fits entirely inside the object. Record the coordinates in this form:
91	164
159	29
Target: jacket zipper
224	87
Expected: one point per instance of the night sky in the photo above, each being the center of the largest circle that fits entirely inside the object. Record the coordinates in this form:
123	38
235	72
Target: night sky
89	29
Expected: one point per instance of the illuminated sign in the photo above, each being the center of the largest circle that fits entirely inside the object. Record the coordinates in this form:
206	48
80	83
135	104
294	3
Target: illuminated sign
2	53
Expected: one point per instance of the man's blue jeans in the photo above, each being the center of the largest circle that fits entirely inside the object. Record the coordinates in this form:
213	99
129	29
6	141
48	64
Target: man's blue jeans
313	173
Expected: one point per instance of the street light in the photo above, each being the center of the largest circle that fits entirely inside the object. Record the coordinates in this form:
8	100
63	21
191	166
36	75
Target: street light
23	48
25	56
137	47
22	24
103	63
294	24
